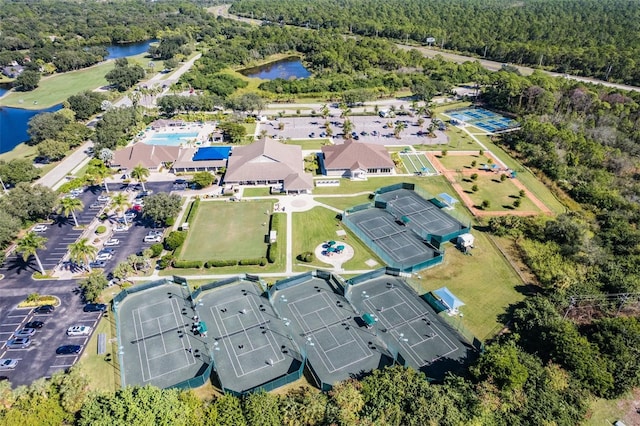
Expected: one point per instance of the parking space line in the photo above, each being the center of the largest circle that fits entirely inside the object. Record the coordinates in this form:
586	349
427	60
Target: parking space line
61	366
9	324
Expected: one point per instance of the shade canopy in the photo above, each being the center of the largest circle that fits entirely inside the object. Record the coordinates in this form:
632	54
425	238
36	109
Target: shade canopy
448	298
369	319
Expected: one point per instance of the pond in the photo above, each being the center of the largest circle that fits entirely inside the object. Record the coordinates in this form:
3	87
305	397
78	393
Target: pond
286	69
13	122
121	50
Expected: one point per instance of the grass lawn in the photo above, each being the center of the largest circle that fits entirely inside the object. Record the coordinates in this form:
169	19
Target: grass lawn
345	202
485	282
455	162
605	412
501	195
255	192
318	225
309	144
226	230
398	148
21	151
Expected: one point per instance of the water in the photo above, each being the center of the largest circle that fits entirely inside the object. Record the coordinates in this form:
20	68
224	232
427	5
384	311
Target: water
4	88
121	50
13	125
286	69
171	139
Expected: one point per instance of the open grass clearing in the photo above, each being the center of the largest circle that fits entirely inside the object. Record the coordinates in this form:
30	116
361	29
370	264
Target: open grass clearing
317	225
463	162
606	412
345	202
500	194
484	281
309	144
227	230
256	192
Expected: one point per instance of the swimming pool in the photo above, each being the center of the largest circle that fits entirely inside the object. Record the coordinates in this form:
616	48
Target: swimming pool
171	139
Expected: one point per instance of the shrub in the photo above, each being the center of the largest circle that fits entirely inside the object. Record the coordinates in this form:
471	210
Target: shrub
474	188
486	204
516	203
101	229
272	252
174	240
474	176
444	153
481	152
219	263
192	210
170	221
307	257
33	297
522	193
503	177
473	163
259	261
187	264
165	261
156	249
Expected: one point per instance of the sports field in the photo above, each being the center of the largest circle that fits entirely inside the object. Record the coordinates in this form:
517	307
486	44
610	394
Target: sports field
228	230
501	194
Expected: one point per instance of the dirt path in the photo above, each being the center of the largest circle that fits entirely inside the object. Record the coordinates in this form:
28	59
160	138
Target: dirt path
451	177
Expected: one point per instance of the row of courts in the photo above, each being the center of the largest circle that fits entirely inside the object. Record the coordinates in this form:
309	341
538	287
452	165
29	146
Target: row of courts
404	228
256	338
417	163
484	119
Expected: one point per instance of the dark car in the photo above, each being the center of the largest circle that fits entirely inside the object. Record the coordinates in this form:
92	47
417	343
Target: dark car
68	349
34	324
44	309
98	264
95	307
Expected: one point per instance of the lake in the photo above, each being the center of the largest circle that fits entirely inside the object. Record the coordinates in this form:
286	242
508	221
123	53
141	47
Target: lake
14	121
13	125
286	69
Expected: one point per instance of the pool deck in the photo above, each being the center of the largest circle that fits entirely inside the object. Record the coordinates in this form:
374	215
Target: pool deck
201	134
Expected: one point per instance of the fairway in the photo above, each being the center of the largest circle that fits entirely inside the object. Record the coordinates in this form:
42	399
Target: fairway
228	231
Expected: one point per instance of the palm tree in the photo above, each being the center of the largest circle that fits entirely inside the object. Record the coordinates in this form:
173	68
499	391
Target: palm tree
81	250
347	128
140	173
120	202
400	126
29	245
100	174
68	206
324	112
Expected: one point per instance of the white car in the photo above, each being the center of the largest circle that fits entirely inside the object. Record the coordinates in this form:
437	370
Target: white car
79	330
40	228
112	242
104	198
130	216
153	239
104	256
8	364
120	228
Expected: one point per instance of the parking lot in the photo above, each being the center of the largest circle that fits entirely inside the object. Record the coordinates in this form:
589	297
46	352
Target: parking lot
40	358
370	129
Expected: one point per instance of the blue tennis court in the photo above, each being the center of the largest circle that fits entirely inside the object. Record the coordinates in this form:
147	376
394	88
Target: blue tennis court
483	119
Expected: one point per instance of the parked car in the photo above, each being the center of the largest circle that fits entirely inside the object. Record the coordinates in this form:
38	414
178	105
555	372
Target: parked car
98	264
79	330
153	239
109	250
34	324
40	228
104	198
96	206
68	349
25	332
95	307
130	216
120	228
103	257
19	343
112	242
136	208
8	364
155	233
44	309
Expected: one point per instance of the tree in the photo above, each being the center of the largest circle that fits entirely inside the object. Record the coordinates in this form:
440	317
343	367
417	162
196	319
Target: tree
46	125
29	246
86	104
121	203
262	409
485	204
122	270
82	252
93	285
27	81
398	128
52	149
18	170
235	132
29	203
122	77
161	207
229	411
203	179
140	173
98	171
474	188
68	206
9	228
347	128
106	156
500	363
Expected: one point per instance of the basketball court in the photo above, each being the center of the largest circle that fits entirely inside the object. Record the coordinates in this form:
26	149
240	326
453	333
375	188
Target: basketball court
325	323
250	345
423	340
157	345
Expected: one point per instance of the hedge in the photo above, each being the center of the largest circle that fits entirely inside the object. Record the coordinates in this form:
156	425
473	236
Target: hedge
272	252
101	229
174	240
219	263
187	264
192	211
165	261
259	261
156	249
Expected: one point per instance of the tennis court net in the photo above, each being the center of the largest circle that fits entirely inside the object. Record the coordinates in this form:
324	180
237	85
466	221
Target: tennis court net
310	332
243	330
400	324
160	333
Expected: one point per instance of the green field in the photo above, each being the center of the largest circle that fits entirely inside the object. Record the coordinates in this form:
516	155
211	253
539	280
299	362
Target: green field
501	195
345	202
484	281
312	227
455	162
255	192
227	230
309	144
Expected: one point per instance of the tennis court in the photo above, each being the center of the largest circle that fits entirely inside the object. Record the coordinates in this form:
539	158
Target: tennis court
417	163
157	345
324	322
423	216
422	338
250	344
484	119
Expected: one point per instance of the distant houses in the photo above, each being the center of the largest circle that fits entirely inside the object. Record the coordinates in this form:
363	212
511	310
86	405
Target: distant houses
13	70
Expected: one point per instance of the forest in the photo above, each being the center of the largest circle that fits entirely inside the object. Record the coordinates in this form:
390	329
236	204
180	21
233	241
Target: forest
596	38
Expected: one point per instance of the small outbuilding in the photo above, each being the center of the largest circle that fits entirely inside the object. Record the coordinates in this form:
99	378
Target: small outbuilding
465	241
449	300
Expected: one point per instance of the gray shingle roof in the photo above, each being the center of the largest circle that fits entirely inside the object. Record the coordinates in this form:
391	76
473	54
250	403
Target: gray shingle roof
351	154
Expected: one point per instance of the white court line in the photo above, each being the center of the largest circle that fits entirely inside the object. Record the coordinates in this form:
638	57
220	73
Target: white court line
135	329
214	312
177	319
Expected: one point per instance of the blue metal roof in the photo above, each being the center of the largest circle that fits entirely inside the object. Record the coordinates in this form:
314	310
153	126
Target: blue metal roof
448	298
212	153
